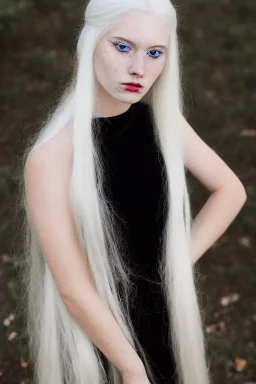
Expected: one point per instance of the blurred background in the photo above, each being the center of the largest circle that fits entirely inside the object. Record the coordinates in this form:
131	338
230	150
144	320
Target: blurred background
38	41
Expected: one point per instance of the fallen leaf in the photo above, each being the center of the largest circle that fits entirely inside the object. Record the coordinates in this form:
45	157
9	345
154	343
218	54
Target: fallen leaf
23	363
245	241
240	364
211	328
226	300
6	258
222	326
6	322
12	335
248	132
250	382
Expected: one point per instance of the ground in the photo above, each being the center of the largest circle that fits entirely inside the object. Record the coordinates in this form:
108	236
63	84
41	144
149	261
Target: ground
37	40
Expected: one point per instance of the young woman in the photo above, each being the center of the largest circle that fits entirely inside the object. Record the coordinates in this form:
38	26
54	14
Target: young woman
109	277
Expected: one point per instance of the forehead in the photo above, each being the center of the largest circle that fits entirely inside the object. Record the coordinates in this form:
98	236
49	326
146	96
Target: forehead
142	28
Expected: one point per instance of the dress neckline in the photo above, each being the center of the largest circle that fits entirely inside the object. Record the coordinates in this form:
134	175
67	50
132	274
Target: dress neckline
113	126
117	117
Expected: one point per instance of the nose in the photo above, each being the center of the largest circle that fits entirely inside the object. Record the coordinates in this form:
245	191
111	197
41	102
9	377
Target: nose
137	66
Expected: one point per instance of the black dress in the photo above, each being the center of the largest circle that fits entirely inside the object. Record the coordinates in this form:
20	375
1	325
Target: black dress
136	172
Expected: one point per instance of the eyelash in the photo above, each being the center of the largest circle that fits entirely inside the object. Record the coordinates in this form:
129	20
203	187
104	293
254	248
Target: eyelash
116	44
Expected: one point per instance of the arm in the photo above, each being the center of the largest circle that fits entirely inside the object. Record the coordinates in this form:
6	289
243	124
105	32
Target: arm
227	192
214	218
46	176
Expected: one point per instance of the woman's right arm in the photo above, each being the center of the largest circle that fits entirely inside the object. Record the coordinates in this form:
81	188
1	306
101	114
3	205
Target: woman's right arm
46	178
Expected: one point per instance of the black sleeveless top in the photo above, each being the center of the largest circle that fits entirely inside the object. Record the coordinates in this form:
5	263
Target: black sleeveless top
136	177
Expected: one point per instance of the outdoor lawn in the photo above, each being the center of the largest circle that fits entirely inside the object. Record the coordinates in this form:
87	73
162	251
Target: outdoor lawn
38	41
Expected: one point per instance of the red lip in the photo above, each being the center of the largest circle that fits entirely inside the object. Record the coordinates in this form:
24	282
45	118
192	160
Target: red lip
134	84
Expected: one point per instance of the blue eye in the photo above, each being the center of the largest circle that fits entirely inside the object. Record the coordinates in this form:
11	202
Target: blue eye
124	45
116	45
155	57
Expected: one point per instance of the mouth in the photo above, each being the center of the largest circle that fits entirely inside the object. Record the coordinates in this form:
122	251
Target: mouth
138	85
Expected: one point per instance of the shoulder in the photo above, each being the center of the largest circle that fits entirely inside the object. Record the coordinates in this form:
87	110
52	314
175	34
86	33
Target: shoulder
56	148
51	160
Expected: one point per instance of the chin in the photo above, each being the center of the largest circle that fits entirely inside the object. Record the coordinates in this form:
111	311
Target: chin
128	98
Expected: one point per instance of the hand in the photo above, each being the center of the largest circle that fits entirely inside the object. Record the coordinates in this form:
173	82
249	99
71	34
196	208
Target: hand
135	378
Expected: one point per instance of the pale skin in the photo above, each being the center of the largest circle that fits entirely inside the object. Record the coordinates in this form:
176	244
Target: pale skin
141	61
47	175
227	196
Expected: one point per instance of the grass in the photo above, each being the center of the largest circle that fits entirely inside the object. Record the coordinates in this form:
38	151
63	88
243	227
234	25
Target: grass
218	52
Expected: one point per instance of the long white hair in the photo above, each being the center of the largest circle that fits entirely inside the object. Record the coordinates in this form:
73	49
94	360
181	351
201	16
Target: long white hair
60	350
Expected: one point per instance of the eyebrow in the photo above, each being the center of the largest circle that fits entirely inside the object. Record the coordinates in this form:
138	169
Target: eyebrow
130	42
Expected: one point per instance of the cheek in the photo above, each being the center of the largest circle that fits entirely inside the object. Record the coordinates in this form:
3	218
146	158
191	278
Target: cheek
108	68
114	64
111	63
156	70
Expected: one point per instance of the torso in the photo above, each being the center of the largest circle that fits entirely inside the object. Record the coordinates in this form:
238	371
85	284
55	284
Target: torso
136	176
